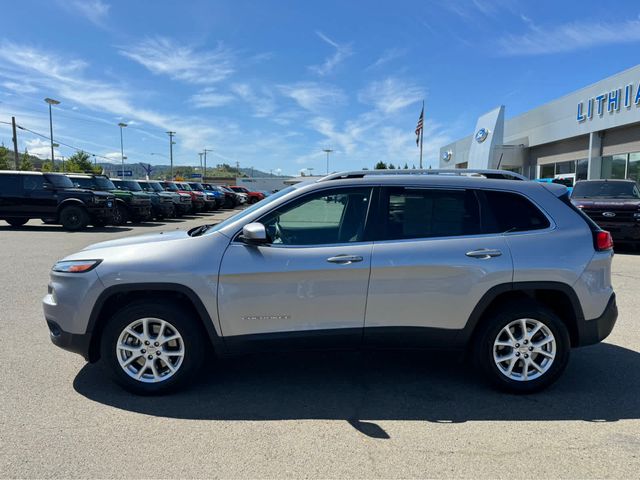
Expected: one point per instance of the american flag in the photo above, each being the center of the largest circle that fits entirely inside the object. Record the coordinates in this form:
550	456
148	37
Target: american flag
419	126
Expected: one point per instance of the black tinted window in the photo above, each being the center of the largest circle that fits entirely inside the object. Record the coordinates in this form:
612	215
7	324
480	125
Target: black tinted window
9	184
83	182
510	212
32	182
605	189
427	213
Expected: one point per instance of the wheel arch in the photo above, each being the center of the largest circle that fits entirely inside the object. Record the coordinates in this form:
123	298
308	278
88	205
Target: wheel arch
116	297
70	202
558	297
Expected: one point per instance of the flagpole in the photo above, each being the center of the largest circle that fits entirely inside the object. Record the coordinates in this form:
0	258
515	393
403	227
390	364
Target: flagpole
421	134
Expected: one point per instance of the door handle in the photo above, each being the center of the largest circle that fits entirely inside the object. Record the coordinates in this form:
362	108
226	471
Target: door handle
344	259
484	253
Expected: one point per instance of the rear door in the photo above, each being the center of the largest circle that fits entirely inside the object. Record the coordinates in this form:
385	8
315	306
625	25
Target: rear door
38	200
431	264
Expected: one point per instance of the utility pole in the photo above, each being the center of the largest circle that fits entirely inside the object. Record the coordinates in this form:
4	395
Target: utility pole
171	143
51	101
16	157
201	172
327	151
238	167
121	125
204	172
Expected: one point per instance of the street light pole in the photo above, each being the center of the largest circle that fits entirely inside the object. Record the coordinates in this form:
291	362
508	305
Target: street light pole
51	101
171	134
204	173
327	151
122	125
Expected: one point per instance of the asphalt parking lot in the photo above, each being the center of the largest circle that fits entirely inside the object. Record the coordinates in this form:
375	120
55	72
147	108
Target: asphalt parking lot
340	414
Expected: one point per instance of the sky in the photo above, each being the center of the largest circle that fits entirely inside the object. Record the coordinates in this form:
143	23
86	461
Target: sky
270	84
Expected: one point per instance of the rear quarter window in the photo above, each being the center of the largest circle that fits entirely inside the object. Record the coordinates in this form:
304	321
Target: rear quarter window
510	212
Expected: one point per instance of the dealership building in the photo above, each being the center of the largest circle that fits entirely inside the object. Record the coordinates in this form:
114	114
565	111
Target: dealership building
593	133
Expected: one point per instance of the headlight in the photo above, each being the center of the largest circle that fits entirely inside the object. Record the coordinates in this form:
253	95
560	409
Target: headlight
75	266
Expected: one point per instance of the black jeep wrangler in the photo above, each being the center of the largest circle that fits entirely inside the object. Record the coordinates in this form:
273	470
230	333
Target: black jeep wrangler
53	198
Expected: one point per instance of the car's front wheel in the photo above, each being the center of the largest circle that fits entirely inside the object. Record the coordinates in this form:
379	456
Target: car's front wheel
523	349
152	347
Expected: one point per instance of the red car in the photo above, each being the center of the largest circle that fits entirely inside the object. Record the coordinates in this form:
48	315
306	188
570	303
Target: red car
253	197
197	198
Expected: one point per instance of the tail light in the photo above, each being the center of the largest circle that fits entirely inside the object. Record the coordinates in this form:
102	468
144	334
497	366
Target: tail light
603	240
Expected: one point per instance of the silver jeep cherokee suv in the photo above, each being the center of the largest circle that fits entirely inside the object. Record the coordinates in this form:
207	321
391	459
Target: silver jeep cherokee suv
505	269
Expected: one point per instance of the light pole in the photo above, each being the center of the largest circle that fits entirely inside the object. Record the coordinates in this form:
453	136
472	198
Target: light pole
51	101
204	172
122	125
171	144
327	151
201	171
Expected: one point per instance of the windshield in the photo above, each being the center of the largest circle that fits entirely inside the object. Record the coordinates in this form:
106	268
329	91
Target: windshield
171	186
131	185
251	209
155	186
605	189
59	181
196	186
103	183
185	186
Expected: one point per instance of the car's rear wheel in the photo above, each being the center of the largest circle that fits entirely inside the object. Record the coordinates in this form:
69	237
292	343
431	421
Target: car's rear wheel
16	222
523	349
152	347
74	218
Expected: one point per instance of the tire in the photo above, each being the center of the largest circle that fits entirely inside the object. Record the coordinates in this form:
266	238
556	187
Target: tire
74	218
551	358
16	222
252	200
163	380
120	214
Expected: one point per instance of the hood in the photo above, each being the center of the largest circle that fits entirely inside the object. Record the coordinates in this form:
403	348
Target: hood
618	203
138	239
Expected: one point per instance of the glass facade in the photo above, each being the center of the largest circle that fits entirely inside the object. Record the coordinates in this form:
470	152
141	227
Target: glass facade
579	167
621	166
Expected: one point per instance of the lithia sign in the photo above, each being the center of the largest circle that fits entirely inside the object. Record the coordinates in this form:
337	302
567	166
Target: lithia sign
612	101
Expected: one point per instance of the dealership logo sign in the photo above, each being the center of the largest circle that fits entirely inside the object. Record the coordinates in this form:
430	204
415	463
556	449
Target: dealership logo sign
612	101
481	135
446	156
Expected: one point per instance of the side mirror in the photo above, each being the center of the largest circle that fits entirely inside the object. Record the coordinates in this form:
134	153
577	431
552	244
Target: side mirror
254	234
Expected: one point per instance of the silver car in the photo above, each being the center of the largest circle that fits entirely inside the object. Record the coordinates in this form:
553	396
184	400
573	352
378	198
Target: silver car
504	269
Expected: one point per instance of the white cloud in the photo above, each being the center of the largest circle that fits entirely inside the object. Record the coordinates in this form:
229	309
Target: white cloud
341	53
388	56
210	98
19	87
163	56
314	96
40	148
263	103
569	37
391	95
95	11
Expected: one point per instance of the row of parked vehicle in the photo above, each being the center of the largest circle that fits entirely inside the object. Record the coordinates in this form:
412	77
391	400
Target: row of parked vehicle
76	200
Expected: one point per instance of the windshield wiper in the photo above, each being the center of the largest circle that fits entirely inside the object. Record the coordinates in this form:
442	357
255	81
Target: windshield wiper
196	232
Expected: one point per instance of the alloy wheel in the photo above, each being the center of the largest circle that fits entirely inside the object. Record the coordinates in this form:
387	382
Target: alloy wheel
524	349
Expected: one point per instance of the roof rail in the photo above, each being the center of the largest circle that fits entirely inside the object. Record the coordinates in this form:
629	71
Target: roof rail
498	174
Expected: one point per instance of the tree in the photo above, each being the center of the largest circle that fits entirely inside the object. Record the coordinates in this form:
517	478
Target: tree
5	162
381	166
25	163
79	162
392	166
406	166
47	166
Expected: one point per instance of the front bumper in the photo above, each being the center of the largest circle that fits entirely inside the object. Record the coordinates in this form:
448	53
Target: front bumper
596	330
73	342
140	211
100	213
622	231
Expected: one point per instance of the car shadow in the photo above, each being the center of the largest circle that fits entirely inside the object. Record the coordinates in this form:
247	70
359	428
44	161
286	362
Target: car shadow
601	384
58	228
626	249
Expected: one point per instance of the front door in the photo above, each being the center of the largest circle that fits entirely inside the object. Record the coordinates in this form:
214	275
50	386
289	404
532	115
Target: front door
38	200
308	286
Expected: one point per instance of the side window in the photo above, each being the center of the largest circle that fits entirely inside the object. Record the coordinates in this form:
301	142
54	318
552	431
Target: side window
427	213
9	184
82	182
510	212
32	182
327	217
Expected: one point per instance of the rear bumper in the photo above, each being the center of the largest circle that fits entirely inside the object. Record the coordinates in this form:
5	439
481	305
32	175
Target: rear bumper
596	330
